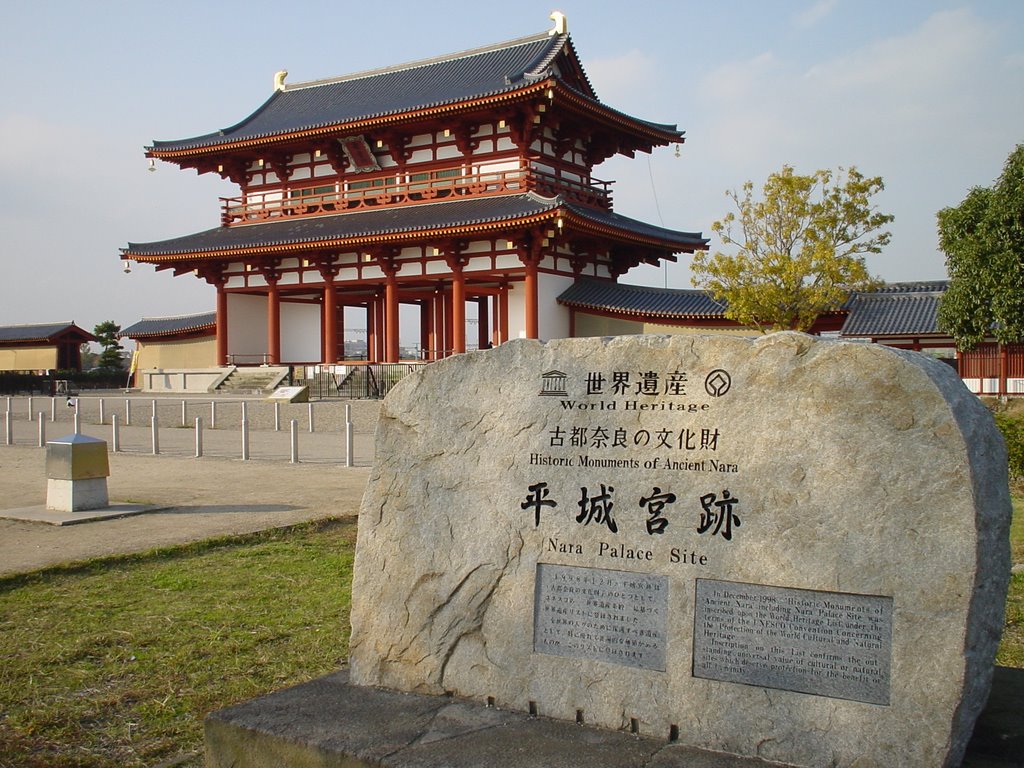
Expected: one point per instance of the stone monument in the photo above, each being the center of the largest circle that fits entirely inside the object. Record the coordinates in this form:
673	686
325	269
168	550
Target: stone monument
781	547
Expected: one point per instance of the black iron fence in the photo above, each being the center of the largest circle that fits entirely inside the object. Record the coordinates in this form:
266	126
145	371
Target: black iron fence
359	381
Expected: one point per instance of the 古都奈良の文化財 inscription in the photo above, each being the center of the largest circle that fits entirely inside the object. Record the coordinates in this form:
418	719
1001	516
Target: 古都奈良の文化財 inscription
601	615
824	643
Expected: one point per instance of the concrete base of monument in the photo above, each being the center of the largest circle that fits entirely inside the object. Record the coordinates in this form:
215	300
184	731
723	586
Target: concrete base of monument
43	514
329	722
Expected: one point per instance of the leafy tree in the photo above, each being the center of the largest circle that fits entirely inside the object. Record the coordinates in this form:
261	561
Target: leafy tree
106	334
800	249
983	239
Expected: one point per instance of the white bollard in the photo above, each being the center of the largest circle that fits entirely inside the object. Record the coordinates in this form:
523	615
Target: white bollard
42	431
349	457
245	411
245	440
127	413
199	436
30	414
115	430
8	404
295	441
310	418
78	423
213	414
53	409
103	414
155	426
8	432
184	414
154	409
277	417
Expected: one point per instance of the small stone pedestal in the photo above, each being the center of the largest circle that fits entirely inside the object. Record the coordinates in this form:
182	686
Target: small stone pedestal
77	469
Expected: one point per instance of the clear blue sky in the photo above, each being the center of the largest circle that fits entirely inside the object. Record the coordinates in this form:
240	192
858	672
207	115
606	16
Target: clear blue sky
928	95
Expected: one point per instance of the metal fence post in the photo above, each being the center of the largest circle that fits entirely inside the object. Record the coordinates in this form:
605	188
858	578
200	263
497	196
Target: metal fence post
199	436
349	458
310	418
78	423
30	414
277	417
156	434
53	409
8	432
115	430
103	415
42	431
127	413
295	441
184	414
245	440
213	414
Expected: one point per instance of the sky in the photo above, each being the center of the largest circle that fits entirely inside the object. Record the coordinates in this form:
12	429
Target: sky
929	95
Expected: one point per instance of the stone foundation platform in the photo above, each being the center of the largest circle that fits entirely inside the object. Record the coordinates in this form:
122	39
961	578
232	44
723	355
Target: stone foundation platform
330	723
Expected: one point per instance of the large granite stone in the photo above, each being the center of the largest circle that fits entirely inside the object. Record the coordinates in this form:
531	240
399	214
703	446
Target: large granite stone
785	548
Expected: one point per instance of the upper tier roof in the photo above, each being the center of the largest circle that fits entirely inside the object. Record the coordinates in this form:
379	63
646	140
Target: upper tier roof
433	83
396	224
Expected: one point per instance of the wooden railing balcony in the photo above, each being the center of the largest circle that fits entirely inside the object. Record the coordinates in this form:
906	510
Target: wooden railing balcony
386	191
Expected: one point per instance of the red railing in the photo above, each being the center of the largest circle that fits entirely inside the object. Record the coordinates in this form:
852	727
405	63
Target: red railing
385	191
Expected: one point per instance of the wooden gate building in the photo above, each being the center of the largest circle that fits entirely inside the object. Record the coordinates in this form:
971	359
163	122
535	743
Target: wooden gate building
465	179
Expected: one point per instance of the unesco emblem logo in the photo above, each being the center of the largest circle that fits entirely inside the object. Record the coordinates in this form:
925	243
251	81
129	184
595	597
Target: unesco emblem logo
718	383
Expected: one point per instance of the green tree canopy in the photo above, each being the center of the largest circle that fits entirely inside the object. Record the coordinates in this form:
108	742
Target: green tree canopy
106	334
800	248
983	239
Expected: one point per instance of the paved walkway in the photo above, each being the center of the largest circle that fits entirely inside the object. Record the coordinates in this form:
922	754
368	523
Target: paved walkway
215	495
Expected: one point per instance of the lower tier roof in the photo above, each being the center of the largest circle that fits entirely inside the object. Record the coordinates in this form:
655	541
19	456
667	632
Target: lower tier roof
401	224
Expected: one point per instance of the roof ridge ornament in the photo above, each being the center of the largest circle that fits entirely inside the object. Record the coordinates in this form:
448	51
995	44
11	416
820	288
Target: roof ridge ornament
561	23
279	77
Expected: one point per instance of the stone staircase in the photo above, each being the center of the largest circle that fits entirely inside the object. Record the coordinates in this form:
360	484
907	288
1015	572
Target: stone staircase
253	381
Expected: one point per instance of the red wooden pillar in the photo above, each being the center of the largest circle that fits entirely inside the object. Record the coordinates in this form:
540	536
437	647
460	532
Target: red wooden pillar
532	323
273	323
495	323
379	324
222	325
371	330
439	324
329	321
391	346
458	311
503	315
426	329
449	324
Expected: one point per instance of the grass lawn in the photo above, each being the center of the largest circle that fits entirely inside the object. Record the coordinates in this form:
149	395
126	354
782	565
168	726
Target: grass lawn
116	662
1011	649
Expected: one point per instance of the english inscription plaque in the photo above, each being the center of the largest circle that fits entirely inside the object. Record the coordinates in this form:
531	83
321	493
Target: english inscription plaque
602	615
824	643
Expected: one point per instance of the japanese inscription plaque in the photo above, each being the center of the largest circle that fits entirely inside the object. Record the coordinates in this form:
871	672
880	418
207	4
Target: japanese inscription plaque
742	542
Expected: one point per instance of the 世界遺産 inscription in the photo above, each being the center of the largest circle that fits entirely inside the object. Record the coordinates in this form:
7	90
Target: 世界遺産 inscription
823	643
601	615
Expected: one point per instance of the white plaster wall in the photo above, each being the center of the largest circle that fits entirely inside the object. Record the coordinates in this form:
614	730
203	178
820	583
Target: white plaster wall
517	311
552	317
300	332
247	324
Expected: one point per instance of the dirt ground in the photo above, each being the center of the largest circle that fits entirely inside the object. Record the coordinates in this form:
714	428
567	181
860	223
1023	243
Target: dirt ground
206	497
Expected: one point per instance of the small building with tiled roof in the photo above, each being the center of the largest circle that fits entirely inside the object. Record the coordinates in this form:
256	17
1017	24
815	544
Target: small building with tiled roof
462	181
42	347
175	342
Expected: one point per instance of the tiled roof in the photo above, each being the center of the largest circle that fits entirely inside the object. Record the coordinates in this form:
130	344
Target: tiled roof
898	309
40	332
408	219
641	300
437	82
160	326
